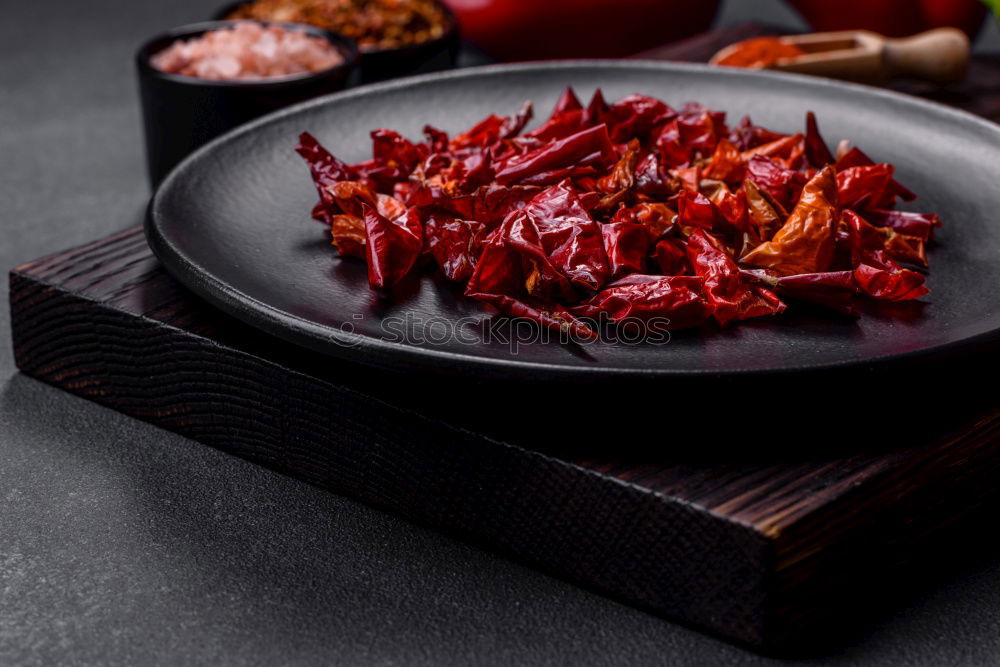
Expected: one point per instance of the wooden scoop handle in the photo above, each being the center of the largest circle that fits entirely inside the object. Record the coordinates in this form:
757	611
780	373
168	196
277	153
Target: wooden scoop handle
940	55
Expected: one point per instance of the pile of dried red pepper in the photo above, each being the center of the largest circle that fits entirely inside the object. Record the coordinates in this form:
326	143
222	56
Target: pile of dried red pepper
628	210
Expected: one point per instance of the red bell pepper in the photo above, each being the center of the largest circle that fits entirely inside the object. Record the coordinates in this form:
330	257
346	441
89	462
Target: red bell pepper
894	18
542	29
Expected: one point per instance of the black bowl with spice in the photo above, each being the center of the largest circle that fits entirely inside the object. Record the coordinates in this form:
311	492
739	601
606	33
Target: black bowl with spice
395	37
201	80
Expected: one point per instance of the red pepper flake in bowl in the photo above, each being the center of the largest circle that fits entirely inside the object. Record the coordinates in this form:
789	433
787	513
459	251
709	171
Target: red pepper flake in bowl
628	211
374	24
248	51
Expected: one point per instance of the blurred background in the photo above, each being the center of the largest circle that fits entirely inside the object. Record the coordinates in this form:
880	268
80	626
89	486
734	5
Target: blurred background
782	14
79	73
622	28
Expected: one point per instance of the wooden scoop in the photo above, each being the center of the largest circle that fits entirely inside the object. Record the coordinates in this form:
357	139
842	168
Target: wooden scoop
940	55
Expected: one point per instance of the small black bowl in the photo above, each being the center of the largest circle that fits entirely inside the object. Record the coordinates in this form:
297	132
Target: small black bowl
180	113
433	55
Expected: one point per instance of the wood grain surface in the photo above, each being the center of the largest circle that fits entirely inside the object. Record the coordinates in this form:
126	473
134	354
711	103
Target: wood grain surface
759	545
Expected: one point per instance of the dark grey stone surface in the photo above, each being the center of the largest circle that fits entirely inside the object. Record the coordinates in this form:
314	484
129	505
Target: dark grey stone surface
123	544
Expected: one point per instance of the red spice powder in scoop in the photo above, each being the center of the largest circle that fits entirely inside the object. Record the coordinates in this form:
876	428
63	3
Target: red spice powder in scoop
760	52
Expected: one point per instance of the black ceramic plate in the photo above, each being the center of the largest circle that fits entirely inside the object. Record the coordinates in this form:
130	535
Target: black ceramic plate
232	223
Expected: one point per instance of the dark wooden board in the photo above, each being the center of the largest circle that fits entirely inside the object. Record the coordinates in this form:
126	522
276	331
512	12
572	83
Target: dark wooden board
762	549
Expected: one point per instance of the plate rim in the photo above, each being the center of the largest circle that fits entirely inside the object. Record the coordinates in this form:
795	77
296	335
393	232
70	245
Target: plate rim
373	351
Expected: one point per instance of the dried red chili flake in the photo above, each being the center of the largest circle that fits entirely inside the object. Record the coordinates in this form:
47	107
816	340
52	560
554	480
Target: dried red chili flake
626	245
875	271
634	116
392	247
571	239
920	225
726	163
806	242
855	157
671	256
676	300
695	210
835	289
657	217
746	135
727	294
589	151
628	210
781	183
567	117
373	24
452	243
817	151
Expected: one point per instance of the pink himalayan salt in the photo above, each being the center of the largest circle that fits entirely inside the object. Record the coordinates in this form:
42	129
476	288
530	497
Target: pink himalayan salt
248	51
